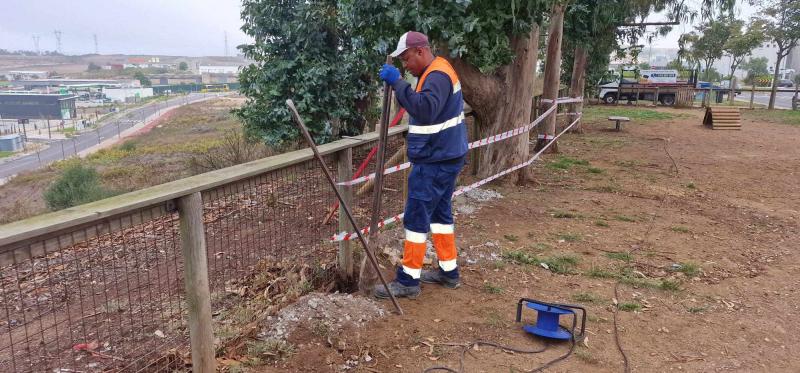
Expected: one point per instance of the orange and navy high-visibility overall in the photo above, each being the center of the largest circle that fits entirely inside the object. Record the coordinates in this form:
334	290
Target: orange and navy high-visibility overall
436	145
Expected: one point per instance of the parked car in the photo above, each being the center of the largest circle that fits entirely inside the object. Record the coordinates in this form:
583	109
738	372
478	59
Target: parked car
785	83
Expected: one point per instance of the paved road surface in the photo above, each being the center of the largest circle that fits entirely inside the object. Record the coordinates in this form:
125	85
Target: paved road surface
783	100
61	149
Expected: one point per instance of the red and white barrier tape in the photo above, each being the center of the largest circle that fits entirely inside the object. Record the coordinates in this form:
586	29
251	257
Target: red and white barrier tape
345	236
472	145
562	100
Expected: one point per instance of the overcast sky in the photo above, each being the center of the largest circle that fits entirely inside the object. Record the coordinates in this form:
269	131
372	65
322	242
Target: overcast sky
164	27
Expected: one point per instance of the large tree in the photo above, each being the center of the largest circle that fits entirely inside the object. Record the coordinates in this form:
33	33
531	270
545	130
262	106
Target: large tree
781	20
740	45
709	41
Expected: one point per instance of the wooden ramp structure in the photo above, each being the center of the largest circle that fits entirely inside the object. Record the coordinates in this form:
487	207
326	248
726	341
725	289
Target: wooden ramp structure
723	118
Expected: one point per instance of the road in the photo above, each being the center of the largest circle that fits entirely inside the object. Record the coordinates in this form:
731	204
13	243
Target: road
61	149
783	100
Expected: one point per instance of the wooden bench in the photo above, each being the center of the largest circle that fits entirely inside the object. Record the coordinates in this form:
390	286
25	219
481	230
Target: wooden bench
619	121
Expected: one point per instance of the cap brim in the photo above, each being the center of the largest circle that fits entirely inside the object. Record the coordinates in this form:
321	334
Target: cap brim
398	52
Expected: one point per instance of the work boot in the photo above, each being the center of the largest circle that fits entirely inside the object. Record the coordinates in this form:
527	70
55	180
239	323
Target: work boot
399	290
437	276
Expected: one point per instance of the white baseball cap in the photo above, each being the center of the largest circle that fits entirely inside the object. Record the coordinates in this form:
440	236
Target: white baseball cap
411	39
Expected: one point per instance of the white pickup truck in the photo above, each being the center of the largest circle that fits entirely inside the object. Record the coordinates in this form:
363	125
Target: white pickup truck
666	81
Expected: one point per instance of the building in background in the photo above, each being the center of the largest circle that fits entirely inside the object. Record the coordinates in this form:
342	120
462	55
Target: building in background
127	94
24	105
219	69
11	143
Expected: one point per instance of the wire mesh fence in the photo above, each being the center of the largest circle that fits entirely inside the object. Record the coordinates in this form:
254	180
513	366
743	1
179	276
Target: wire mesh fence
108	294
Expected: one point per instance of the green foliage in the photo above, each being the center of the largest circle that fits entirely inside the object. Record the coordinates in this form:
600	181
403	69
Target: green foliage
492	288
563	264
755	67
625	218
520	257
741	44
77	185
629	307
601	113
302	50
565	163
93	67
4	154
689	269
183	66
569	237
144	80
601	223
566	215
680	229
623	256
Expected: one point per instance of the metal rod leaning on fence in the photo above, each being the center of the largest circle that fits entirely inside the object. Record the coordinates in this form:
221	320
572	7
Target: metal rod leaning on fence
366	279
342	203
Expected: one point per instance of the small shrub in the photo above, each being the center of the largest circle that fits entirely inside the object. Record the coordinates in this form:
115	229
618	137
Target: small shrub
623	256
595	272
689	269
669	285
269	350
629	307
691	186
511	237
595	170
680	229
625	218
520	257
563	264
492	288
696	309
128	146
601	223
77	185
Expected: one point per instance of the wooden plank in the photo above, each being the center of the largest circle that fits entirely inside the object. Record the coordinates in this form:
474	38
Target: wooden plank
622	119
727	128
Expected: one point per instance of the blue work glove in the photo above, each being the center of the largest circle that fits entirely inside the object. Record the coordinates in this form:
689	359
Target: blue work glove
390	74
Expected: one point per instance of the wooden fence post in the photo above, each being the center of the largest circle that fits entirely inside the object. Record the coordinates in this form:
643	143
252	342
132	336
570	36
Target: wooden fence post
195	275
344	164
655	98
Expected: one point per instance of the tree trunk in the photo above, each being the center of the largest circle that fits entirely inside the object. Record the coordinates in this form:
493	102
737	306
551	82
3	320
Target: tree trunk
501	102
775	82
552	77
577	84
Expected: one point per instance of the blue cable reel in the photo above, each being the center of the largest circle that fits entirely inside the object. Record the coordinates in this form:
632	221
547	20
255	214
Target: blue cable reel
547	319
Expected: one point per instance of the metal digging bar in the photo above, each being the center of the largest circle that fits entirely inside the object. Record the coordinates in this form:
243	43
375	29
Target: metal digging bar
342	203
379	168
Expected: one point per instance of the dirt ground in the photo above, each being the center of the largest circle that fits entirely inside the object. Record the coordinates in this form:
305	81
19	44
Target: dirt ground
694	229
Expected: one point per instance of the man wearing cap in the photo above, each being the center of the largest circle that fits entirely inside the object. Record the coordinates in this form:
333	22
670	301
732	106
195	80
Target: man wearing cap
437	146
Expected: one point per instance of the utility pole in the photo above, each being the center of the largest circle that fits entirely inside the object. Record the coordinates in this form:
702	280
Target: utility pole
226	44
36	44
95	44
58	40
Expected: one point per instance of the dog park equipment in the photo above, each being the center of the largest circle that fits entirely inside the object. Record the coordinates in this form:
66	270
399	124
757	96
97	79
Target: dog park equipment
618	120
723	118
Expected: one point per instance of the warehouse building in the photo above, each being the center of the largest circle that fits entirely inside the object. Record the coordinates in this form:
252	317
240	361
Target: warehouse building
29	105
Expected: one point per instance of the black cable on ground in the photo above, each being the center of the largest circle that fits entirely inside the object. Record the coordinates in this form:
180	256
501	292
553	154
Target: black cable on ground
467	347
641	243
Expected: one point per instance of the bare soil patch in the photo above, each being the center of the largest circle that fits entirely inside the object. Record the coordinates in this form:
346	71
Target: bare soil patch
695	229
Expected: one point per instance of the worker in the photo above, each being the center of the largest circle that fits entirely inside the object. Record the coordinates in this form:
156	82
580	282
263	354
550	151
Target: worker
437	146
